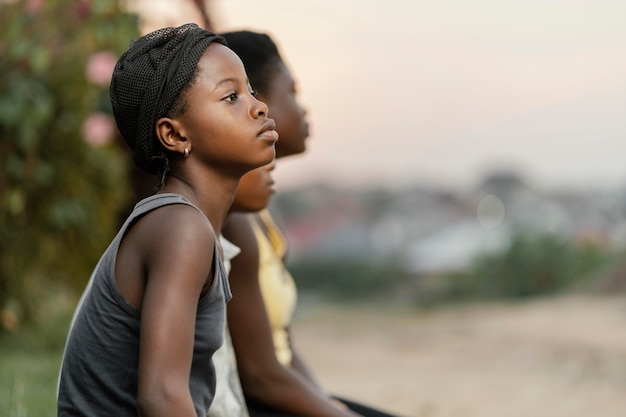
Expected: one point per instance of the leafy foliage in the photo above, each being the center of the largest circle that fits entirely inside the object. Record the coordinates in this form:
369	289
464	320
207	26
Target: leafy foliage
60	195
348	279
534	264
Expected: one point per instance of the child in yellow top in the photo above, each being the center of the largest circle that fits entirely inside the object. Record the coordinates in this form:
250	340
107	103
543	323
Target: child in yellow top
274	378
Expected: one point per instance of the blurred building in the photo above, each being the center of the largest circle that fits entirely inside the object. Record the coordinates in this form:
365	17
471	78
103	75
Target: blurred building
430	230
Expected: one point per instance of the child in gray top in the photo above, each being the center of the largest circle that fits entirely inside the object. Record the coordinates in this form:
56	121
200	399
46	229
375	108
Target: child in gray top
152	314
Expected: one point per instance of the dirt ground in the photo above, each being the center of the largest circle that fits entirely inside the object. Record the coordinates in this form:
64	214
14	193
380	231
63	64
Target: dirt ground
558	357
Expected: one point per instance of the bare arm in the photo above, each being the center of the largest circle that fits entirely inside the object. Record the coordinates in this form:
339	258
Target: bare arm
263	378
174	242
297	363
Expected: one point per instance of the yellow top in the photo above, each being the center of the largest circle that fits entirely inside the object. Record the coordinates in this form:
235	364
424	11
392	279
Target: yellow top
277	286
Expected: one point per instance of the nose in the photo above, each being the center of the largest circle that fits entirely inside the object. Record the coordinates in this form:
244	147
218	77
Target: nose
258	108
270	167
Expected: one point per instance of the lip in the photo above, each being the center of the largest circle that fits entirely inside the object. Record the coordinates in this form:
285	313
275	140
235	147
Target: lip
268	131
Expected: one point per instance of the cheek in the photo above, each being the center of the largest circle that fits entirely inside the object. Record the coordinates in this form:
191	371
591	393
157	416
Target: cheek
220	139
242	197
287	121
250	185
251	199
203	128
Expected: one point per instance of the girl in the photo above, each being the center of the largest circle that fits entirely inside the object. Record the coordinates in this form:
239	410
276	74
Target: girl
152	315
274	378
253	194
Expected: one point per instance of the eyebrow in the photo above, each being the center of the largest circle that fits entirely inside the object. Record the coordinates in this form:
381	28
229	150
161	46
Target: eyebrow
233	80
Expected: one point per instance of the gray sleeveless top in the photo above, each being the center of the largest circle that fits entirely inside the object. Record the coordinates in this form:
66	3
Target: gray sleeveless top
99	370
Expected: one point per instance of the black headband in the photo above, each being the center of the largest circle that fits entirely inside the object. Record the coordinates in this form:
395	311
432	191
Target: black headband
147	80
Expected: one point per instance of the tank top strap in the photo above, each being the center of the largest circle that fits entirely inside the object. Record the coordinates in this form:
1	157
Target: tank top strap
273	233
159	200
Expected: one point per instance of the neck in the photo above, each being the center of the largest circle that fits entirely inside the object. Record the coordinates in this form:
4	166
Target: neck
210	194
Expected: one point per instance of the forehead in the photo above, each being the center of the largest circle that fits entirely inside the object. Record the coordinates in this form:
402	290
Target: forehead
219	63
281	77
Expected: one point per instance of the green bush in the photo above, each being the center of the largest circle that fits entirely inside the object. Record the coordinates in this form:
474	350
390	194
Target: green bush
347	278
63	181
534	264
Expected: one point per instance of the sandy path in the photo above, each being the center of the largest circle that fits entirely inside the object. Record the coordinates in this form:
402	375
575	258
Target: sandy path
563	357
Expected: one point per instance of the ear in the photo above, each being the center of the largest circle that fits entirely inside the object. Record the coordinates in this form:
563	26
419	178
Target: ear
170	134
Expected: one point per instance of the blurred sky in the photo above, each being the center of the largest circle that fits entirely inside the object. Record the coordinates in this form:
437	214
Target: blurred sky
442	92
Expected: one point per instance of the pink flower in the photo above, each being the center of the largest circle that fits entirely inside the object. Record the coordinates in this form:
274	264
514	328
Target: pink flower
98	129
82	9
33	6
100	68
9	320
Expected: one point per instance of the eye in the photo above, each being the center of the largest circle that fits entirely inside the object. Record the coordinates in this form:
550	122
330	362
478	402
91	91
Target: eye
254	92
232	97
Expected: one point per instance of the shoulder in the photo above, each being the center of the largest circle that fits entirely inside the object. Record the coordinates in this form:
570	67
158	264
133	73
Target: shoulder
169	246
179	219
245	265
175	229
238	230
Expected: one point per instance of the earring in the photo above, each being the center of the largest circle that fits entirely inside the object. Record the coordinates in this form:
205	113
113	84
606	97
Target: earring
185	152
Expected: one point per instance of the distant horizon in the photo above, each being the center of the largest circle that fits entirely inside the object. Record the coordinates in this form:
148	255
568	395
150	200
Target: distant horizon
283	185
